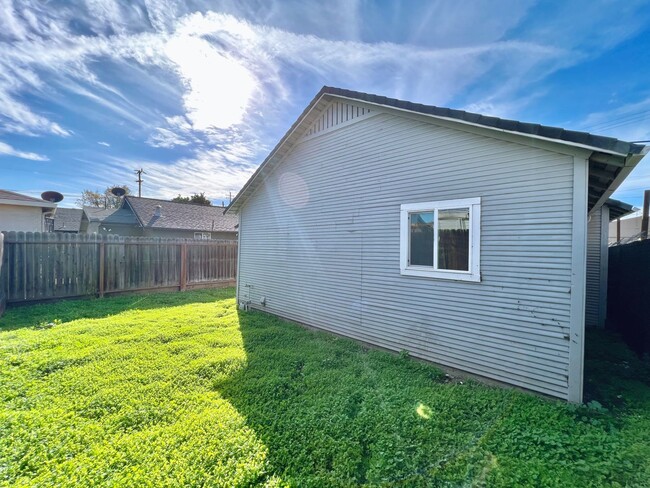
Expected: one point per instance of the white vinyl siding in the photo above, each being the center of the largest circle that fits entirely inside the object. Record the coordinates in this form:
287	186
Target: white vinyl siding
597	253
325	250
21	218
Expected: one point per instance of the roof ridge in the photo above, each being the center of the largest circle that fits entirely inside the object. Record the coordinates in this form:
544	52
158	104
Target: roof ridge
22	195
130	197
527	128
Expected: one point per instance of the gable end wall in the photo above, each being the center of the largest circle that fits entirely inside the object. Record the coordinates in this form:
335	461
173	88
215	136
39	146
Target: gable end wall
319	241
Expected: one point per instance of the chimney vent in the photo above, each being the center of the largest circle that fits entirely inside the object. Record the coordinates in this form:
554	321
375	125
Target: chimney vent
158	211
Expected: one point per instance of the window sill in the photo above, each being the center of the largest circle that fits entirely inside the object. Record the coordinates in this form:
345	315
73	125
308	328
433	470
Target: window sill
442	275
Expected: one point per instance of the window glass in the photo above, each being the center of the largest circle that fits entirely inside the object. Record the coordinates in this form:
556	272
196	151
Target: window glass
453	239
421	238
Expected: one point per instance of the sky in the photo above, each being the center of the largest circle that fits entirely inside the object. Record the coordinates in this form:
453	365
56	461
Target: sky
198	92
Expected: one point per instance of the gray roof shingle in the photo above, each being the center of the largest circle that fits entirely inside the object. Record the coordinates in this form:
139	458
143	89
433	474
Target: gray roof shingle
67	219
12	195
181	216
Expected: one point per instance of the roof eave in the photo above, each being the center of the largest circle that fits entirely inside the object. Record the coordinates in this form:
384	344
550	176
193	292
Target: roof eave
26	203
631	159
630	163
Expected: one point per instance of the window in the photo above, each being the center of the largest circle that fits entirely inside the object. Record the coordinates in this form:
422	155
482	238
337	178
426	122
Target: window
441	239
206	236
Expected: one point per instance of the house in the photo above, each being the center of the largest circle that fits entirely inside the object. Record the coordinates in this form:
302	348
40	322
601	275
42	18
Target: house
151	217
597	262
68	220
121	221
457	237
24	213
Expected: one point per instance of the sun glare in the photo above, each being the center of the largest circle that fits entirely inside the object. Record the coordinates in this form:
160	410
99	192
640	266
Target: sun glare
218	88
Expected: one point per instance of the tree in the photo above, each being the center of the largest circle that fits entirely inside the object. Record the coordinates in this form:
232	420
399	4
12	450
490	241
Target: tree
196	198
90	198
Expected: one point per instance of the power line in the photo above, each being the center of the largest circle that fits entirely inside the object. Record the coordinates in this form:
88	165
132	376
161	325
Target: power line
623	119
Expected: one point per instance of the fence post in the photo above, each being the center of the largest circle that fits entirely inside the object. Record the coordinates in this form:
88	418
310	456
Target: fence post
102	251
183	277
3	292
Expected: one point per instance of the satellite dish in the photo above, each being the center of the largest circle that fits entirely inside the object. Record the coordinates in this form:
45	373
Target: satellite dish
118	191
51	196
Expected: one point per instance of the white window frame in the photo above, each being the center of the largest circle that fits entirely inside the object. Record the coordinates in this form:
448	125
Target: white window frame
204	236
474	273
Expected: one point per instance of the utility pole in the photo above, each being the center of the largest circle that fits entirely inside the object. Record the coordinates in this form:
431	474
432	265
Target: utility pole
139	172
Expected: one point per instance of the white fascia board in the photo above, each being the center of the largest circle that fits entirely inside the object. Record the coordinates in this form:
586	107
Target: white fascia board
259	173
486	127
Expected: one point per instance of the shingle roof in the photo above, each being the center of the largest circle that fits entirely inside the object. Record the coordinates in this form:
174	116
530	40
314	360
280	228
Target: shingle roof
625	154
11	195
548	132
67	219
182	216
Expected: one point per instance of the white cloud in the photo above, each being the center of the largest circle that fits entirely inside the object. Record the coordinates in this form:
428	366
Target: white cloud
7	150
103	143
221	86
630	122
218	87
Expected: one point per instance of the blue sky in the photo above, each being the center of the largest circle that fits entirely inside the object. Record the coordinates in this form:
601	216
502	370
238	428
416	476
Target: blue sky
197	93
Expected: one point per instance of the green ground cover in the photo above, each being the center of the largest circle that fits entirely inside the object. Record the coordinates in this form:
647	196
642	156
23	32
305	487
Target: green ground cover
184	390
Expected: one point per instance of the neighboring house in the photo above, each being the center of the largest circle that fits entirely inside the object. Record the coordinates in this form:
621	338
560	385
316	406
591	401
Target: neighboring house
24	213
597	262
161	218
120	221
68	220
627	230
459	238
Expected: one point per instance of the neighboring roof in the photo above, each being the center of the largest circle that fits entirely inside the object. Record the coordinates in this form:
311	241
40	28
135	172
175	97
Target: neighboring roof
612	158
94	214
180	216
12	198
67	219
617	208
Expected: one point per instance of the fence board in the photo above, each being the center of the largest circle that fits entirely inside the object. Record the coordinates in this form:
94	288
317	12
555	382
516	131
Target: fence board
41	266
3	280
628	292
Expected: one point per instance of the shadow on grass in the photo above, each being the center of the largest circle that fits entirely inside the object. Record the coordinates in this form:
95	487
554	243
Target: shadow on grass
333	413
614	375
67	310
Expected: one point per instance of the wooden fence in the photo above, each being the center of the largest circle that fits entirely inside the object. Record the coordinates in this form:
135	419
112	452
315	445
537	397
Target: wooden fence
628	292
3	294
41	266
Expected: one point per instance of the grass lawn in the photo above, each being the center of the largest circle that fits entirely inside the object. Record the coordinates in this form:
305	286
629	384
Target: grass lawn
184	390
